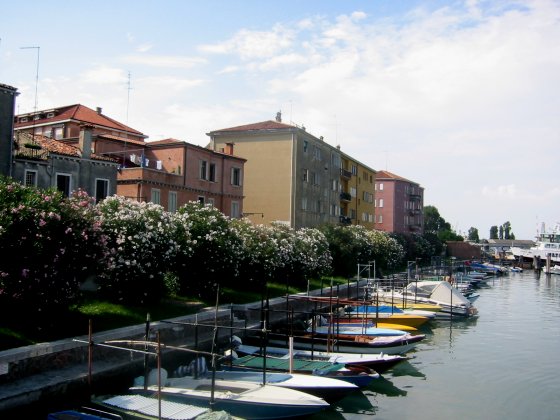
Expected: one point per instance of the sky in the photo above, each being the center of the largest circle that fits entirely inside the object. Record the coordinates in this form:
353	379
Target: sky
461	97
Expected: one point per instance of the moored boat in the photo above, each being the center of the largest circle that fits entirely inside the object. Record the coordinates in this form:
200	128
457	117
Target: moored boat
379	362
247	400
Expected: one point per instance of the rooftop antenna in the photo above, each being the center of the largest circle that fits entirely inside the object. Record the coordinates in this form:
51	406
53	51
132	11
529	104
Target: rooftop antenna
36	74
129	88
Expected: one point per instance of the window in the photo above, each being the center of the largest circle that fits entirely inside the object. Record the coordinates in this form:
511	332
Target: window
304	203
63	183
210	202
335	161
381	186
334	183
380	218
314	178
352	213
317	153
235	210
305	175
172	202
212	174
353	191
364	217
305	145
30	178
101	189
236	176
203	168
58	133
201	199
334	210
354	170
47	132
380	202
156	196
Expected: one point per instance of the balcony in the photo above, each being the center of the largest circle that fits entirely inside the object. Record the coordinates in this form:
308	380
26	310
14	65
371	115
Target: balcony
345	220
345	174
415	197
415	227
344	196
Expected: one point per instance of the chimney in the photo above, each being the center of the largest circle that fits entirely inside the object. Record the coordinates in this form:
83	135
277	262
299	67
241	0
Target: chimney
279	116
84	142
229	148
99	110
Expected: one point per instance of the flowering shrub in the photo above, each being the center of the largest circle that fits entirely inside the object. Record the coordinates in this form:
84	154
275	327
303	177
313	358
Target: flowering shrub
303	253
260	257
353	245
216	251
48	245
142	245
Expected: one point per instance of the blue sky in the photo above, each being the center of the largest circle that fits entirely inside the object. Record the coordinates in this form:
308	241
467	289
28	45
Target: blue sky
459	96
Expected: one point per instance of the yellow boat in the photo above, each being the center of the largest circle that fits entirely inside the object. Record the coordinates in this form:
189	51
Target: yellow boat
371	323
414	321
414	305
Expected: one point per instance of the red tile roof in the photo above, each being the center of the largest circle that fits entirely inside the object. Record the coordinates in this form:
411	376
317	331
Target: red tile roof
166	141
75	112
264	125
390	175
58	147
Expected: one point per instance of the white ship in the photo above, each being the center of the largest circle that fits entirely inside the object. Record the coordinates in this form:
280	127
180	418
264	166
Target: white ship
547	244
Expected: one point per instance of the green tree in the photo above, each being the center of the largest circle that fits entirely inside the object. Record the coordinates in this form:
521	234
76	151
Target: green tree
473	235
507	230
494	232
435	224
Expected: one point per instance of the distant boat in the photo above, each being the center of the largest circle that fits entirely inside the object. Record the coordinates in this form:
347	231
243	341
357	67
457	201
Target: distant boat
441	293
555	269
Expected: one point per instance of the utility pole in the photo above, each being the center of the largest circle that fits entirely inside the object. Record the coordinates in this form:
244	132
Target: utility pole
36	73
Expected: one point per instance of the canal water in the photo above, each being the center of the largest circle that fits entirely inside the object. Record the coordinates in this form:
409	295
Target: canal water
505	364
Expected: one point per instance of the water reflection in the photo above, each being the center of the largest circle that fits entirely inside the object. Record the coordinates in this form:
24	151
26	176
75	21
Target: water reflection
385	387
407	368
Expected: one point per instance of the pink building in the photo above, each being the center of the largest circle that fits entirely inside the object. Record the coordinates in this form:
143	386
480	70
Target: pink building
399	204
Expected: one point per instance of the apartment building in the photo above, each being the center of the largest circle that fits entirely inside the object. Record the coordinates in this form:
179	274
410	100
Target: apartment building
291	176
8	96
172	172
399	204
357	193
168	172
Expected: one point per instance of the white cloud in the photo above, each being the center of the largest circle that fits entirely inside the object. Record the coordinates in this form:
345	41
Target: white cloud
253	44
168	61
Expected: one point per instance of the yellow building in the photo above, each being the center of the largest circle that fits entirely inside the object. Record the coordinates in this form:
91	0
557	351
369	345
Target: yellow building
357	192
293	177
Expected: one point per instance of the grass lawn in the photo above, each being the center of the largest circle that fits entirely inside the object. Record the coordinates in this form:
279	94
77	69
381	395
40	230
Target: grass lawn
30	327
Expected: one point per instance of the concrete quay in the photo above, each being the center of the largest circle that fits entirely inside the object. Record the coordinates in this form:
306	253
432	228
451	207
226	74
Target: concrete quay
46	373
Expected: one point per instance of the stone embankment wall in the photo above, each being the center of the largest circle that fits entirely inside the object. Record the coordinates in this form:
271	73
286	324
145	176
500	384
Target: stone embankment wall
32	374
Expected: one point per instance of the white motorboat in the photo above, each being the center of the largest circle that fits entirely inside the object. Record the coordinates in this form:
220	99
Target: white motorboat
441	293
329	389
247	400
